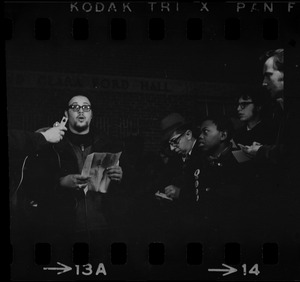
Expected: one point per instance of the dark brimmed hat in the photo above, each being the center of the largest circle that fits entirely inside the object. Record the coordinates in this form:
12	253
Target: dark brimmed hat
170	124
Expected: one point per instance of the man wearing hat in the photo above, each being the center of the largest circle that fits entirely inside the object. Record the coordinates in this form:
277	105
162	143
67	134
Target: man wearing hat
180	137
180	214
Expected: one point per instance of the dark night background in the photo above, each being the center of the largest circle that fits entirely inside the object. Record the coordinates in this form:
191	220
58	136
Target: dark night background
214	68
192	77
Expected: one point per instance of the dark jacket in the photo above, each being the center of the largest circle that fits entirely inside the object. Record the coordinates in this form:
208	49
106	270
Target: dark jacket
23	142
177	172
87	211
64	211
273	153
218	186
263	133
20	144
282	156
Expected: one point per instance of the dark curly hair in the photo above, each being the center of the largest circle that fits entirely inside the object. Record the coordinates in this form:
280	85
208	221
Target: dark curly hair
223	123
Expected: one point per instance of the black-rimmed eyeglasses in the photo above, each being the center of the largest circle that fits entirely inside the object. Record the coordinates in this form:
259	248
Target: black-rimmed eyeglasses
176	139
76	108
243	105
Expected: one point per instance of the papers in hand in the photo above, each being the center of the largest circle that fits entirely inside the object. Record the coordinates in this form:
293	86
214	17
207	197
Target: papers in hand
94	167
163	195
241	156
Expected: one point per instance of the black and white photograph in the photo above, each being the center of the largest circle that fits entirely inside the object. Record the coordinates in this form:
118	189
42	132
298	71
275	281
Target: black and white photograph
153	140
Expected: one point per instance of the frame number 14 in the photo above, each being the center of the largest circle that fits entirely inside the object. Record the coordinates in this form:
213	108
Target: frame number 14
253	270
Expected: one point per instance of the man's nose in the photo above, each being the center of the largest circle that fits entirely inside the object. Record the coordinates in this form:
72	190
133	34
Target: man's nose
265	82
172	148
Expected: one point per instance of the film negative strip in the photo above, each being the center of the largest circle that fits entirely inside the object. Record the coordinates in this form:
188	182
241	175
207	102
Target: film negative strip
153	140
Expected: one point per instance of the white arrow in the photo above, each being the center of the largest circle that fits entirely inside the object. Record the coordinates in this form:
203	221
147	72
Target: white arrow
227	270
63	269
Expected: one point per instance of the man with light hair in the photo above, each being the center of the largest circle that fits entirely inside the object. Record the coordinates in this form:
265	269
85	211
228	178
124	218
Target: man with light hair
273	81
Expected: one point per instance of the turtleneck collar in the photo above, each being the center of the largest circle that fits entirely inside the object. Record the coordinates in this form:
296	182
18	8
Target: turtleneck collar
77	139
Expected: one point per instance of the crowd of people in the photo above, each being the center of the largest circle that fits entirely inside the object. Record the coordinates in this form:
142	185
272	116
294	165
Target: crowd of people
215	182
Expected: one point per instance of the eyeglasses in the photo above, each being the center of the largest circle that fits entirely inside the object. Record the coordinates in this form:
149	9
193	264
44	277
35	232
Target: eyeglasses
76	108
176	139
243	105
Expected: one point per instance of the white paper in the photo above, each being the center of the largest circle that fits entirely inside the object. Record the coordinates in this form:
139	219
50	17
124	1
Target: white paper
94	167
241	156
163	195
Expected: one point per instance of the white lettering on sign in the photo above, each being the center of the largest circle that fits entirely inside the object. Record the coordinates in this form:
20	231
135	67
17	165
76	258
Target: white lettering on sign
125	84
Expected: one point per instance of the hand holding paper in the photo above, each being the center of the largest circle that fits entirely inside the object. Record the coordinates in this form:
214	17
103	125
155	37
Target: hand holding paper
172	191
102	168
250	151
114	173
160	195
74	181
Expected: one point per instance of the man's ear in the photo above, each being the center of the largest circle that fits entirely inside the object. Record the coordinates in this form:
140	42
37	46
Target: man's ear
224	135
281	78
189	134
66	114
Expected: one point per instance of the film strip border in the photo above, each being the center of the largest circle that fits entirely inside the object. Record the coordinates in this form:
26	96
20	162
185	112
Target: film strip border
118	29
156	253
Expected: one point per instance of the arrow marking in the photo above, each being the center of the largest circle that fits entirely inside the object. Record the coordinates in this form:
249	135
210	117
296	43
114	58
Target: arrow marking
63	269
228	270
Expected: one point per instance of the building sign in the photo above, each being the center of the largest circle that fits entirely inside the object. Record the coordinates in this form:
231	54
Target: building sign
114	84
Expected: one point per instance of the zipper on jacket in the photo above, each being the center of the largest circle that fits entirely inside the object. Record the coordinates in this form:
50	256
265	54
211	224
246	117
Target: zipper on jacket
82	147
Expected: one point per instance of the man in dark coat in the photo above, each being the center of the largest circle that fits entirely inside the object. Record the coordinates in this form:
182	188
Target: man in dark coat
89	218
278	190
25	142
22	145
71	211
273	81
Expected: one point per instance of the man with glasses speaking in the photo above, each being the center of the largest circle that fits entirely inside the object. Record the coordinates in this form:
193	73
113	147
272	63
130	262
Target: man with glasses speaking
85	209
